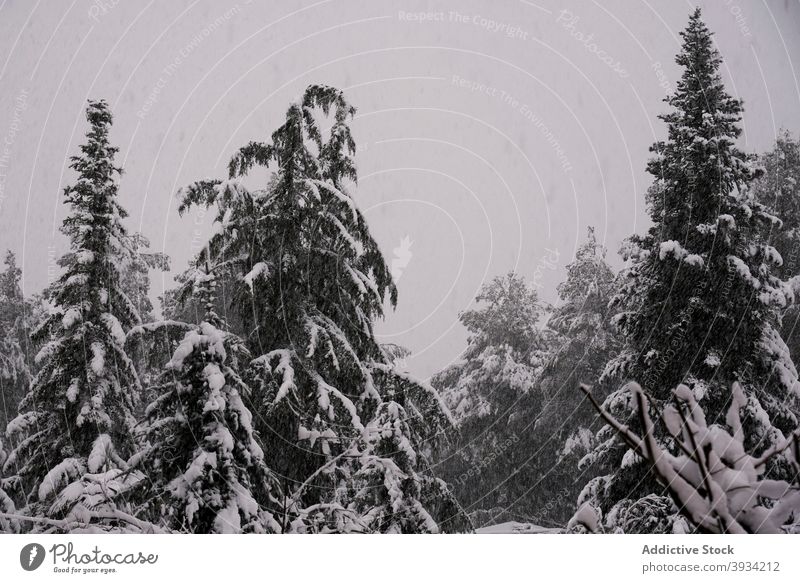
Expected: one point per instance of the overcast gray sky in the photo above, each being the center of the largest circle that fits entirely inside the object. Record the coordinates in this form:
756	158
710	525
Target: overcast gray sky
491	134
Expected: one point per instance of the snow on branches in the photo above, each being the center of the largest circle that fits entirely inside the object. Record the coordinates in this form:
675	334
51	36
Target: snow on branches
713	482
216	479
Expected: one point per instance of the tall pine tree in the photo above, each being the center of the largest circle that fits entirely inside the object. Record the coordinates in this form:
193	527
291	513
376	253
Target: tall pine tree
494	395
561	431
311	280
76	425
700	297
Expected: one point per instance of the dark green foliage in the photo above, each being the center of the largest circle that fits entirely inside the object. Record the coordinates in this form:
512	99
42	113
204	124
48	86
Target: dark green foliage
16	359
699	298
86	385
307	280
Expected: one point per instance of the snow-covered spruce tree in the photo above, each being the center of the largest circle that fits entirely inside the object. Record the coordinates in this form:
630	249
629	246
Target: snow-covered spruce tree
393	490
487	391
15	371
15	350
779	189
307	275
560	430
586	341
206	472
150	351
699	299
75	426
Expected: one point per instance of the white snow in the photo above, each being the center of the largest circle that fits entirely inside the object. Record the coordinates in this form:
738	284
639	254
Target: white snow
744	271
216	381
84	256
59	476
671	248
71	317
100	453
72	391
586	516
214	377
227	520
260	269
114	327
694	260
98	362
284	368
517	528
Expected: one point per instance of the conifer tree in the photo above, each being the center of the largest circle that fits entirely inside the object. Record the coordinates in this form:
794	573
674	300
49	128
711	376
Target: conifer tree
75	428
586	339
779	189
15	350
206	471
310	279
492	392
699	297
559	432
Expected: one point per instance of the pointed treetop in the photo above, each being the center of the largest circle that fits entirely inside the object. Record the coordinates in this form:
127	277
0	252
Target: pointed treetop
700	78
98	113
204	286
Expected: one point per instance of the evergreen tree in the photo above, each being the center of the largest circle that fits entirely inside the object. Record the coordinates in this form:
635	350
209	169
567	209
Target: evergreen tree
779	189
582	320
15	326
393	489
699	297
309	278
206	472
493	394
559	432
75	429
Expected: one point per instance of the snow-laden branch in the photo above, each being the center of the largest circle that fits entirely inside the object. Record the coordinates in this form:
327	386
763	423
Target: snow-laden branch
714	482
91	516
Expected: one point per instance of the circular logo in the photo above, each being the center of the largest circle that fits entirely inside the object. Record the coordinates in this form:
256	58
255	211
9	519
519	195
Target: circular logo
31	556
